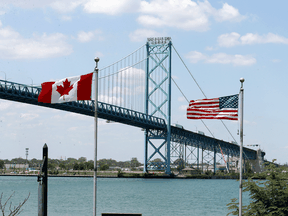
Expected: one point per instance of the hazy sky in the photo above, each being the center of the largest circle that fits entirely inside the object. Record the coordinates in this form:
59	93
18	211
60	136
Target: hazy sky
220	41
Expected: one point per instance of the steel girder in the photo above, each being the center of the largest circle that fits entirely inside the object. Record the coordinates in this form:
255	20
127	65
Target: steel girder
157	126
208	143
28	94
158	52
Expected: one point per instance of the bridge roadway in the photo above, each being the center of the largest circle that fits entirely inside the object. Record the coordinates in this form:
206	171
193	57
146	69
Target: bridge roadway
29	94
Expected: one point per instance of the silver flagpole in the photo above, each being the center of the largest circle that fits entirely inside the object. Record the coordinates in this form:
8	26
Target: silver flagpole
95	138
241	145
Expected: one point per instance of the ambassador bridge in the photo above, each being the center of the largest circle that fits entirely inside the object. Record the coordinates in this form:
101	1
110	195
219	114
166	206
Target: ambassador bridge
136	91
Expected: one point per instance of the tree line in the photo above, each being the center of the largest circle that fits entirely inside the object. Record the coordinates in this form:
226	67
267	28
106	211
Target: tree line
73	164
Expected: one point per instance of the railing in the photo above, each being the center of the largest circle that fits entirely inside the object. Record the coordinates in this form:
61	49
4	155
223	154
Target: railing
29	94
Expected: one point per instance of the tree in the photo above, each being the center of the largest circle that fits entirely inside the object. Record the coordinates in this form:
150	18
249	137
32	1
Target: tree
51	166
16	210
82	166
82	159
104	167
248	169
135	162
76	166
2	164
89	165
157	160
62	166
268	197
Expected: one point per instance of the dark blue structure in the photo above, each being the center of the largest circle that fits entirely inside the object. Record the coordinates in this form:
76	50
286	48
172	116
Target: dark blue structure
157	126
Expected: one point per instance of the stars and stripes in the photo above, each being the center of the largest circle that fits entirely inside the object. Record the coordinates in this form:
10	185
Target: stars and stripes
215	108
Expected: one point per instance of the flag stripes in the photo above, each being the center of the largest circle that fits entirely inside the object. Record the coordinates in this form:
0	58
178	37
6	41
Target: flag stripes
215	108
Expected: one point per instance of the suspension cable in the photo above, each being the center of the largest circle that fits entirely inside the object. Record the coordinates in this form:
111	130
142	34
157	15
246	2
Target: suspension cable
124	57
200	90
189	71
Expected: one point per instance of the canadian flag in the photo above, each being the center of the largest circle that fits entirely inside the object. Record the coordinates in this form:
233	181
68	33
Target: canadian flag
67	90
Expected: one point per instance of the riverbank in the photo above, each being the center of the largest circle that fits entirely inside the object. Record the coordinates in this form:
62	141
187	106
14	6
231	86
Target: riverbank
135	175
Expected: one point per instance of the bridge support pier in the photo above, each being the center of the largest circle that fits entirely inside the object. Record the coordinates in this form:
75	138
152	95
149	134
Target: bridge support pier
214	162
228	168
158	103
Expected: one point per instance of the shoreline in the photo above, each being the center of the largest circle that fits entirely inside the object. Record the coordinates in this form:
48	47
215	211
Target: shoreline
114	176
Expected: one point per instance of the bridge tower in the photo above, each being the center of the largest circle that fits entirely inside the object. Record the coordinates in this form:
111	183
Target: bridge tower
158	103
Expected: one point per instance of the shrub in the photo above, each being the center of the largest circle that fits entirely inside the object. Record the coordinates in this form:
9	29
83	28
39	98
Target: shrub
269	197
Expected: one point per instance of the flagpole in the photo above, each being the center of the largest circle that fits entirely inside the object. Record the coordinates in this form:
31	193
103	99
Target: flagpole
95	137
241	144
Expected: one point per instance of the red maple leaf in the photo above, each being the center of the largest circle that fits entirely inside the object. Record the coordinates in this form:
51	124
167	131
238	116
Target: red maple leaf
65	89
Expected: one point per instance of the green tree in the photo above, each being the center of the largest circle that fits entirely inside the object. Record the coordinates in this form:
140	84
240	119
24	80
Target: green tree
62	166
82	159
135	162
89	165
76	166
104	167
268	197
157	160
51	166
248	169
82	166
2	164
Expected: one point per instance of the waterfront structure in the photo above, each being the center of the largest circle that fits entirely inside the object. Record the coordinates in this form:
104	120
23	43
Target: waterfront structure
150	64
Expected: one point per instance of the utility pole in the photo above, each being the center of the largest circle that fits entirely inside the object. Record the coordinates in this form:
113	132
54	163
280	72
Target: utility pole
27	149
42	178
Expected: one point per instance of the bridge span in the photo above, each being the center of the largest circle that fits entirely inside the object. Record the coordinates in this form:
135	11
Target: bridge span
29	94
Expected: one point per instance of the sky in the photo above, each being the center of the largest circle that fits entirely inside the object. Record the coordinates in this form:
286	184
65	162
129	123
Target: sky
219	41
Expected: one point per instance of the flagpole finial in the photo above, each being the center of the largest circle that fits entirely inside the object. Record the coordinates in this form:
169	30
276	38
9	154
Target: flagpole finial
241	79
96	59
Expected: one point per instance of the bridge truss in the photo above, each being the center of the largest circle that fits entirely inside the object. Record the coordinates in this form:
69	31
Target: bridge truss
171	143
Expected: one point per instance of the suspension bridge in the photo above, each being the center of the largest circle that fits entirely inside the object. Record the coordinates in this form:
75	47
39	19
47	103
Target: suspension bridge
136	91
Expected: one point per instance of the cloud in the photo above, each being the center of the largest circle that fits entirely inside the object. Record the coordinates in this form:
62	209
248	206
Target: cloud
142	34
183	107
66	18
250	38
209	48
14	46
228	13
185	14
88	36
181	99
229	40
221	58
276	60
127	85
182	14
234	39
29	116
111	7
72	129
65	6
5	105
28	4
195	56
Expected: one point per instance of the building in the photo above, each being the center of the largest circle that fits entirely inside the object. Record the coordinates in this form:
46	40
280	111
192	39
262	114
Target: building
16	166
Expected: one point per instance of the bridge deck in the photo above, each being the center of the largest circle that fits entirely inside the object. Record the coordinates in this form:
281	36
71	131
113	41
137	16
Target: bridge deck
28	94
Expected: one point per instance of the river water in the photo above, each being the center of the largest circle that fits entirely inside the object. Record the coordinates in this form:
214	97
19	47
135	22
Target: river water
159	197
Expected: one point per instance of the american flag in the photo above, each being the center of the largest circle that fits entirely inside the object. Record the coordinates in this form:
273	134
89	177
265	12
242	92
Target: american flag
215	108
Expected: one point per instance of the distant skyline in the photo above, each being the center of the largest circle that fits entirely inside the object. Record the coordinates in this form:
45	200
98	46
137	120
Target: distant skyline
220	42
